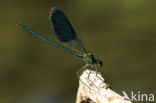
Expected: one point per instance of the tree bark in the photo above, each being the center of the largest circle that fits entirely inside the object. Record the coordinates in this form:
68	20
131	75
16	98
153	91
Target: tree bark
93	89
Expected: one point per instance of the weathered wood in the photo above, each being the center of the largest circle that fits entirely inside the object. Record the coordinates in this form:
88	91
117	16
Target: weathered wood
93	89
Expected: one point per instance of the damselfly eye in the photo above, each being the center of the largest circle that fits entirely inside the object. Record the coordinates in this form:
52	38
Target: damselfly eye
99	63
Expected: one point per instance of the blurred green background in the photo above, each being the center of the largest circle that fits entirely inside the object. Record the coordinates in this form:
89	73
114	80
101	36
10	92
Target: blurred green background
122	33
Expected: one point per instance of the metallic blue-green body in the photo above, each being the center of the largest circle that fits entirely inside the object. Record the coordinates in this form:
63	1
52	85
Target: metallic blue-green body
47	40
65	34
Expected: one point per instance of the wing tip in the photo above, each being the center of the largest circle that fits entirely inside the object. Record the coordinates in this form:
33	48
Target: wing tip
52	11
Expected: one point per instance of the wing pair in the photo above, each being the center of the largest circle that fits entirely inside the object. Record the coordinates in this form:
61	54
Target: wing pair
63	31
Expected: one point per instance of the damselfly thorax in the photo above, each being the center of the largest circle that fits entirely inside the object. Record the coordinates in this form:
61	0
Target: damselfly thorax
89	58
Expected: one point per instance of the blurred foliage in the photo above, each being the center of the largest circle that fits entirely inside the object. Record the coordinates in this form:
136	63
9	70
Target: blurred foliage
121	33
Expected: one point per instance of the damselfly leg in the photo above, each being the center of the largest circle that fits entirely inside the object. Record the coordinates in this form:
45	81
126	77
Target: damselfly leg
79	73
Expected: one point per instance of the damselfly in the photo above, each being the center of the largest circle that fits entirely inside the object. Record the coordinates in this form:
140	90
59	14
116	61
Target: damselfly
66	34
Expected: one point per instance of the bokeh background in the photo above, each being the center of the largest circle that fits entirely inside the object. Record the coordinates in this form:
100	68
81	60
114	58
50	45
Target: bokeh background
122	33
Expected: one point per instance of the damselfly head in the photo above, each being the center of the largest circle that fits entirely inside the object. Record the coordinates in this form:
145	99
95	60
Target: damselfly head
99	63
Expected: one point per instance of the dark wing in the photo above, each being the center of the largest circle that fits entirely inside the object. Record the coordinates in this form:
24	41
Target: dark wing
64	31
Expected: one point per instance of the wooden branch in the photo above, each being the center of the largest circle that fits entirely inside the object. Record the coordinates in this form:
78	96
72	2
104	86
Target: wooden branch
93	89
